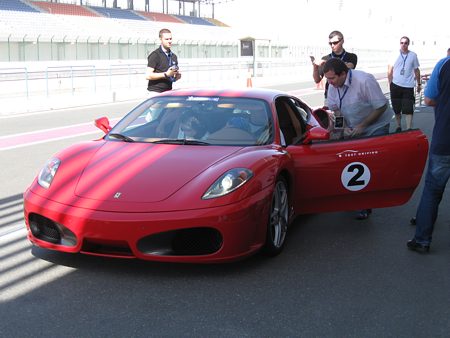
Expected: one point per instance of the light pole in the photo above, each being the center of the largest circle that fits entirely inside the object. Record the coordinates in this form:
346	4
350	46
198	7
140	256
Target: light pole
37	46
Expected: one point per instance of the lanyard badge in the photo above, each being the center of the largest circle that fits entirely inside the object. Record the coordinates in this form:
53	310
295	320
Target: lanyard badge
402	71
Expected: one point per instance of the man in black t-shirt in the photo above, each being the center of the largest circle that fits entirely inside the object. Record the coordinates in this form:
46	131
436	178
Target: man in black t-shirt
336	42
162	65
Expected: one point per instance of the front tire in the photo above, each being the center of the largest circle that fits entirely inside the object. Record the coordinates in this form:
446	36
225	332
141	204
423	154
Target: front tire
278	219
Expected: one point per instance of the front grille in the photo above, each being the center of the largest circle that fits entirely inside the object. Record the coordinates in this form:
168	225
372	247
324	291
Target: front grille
182	242
106	247
47	230
50	232
44	229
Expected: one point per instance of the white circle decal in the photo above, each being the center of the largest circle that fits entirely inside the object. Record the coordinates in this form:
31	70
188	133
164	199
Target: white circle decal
355	176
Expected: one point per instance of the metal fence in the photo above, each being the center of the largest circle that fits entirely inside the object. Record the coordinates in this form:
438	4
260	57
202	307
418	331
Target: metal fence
46	81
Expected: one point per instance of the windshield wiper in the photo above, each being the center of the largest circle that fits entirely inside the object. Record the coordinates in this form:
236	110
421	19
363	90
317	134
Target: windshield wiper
121	137
196	142
181	141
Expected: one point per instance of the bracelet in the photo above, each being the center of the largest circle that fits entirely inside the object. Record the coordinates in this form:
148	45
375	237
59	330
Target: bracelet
165	75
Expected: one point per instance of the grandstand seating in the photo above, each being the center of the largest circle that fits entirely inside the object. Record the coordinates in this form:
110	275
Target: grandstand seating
57	27
66	9
216	22
159	17
95	11
101	28
16	5
148	30
117	13
30	26
42	21
194	20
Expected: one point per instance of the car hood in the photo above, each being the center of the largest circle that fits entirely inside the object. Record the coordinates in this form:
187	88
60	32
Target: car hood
143	172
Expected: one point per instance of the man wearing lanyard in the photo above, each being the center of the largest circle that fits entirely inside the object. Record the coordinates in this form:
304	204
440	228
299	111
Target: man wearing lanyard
357	97
402	76
162	65
336	42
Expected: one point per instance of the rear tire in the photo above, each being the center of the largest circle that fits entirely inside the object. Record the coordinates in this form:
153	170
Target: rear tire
277	224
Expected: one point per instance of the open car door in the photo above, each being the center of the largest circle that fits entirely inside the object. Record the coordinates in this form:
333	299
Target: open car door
360	173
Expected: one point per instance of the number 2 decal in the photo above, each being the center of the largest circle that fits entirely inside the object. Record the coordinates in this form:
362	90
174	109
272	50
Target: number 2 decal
355	176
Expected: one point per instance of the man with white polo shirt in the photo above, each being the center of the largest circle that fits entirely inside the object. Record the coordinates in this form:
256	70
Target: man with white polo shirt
403	74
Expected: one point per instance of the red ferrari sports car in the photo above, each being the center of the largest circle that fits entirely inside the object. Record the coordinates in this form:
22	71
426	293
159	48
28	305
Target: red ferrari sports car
212	176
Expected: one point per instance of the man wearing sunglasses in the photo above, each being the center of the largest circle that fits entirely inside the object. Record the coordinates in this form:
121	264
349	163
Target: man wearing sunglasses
336	42
402	75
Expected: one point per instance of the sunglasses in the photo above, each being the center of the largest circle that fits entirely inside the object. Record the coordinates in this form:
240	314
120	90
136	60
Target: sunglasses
334	43
404	43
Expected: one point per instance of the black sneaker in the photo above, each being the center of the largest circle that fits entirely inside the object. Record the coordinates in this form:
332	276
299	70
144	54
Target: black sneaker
413	245
363	214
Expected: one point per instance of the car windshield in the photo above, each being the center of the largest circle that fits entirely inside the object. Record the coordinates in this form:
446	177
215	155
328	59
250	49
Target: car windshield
193	120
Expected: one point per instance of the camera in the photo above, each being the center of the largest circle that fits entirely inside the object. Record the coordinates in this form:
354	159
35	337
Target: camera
339	122
174	68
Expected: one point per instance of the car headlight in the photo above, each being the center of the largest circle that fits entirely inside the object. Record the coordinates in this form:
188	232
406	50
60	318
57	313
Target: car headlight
228	182
47	173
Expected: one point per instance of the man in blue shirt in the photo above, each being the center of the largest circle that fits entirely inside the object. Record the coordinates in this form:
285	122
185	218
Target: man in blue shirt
437	94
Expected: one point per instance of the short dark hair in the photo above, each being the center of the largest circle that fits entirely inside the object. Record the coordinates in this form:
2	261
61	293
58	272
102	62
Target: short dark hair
163	31
336	65
336	33
405	37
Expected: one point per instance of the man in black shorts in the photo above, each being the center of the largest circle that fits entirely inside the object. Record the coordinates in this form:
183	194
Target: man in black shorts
162	65
336	42
403	74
